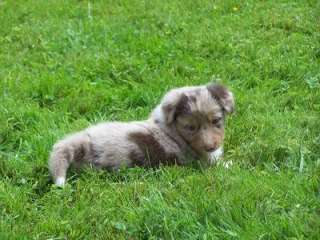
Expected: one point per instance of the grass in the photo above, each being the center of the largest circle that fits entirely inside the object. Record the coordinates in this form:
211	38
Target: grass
68	64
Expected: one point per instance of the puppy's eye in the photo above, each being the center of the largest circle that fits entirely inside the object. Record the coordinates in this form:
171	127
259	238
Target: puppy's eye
216	121
190	128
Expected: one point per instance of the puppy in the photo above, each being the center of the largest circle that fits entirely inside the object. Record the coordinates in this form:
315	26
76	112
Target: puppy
187	125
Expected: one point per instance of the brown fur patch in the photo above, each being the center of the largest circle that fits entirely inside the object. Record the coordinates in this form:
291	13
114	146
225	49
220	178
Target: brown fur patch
193	99
207	141
182	107
217	91
151	153
79	153
221	94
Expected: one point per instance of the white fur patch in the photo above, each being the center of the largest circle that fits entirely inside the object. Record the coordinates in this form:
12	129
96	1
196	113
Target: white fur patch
60	181
216	155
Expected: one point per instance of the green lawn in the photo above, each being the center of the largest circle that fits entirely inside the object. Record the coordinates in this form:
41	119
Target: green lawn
67	64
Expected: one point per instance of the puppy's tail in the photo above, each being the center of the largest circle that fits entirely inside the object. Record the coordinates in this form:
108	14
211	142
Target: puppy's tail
73	149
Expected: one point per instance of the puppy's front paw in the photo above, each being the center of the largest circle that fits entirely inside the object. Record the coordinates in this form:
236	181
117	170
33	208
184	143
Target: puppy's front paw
60	181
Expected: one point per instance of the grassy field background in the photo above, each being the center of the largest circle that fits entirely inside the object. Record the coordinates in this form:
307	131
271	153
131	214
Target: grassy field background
67	64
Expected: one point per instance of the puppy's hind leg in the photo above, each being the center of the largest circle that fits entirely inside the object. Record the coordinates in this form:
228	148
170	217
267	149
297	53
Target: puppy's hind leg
73	149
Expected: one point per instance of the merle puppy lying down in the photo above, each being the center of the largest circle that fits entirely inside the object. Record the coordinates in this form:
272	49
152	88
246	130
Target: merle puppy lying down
187	124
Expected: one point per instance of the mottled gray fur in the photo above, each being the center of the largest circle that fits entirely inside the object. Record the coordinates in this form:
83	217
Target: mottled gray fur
187	124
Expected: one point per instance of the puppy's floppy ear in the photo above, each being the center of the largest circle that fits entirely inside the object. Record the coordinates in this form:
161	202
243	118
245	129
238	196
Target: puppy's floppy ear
174	103
223	96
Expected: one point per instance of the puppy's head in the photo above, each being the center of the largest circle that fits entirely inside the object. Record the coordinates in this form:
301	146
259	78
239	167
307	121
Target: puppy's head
197	113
